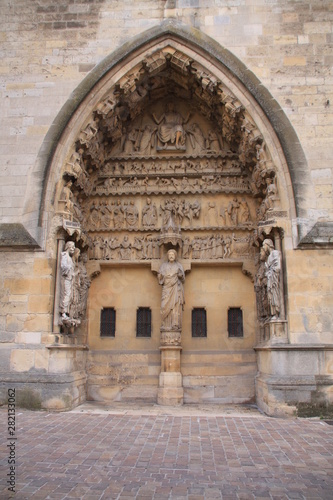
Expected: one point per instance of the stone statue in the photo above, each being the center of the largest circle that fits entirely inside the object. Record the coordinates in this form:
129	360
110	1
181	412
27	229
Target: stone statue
125	250
260	287
84	285
197	139
213	142
232	211
245	211
147	140
170	127
67	276
171	276
74	287
149	215
132	215
272	271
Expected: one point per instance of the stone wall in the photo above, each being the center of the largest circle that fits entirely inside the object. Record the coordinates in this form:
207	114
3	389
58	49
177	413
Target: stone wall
47	49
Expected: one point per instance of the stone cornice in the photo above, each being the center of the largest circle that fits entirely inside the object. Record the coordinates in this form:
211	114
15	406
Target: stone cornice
16	237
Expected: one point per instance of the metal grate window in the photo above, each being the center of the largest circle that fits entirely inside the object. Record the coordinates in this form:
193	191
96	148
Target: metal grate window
108	322
235	322
199	322
143	322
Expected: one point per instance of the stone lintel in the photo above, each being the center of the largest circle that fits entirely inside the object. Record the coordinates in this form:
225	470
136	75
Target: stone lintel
295	347
71	347
171	348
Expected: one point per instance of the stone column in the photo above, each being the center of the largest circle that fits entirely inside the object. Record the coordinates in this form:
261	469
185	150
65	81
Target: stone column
170	390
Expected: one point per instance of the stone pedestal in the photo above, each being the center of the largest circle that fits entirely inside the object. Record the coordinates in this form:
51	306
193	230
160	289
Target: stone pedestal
273	332
278	332
170	390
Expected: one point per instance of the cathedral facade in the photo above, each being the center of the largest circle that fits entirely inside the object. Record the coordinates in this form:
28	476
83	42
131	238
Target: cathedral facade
166	218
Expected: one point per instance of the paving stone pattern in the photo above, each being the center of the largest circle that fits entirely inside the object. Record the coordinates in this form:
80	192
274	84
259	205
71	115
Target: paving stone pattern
95	456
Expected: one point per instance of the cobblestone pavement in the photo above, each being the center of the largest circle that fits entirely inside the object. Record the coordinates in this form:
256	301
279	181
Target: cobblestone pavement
148	452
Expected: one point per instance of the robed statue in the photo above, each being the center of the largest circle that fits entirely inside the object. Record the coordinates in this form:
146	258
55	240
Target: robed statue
74	287
171	127
171	276
67	268
272	271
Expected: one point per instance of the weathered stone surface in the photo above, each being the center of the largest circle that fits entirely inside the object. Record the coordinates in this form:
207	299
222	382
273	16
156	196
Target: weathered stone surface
274	66
320	235
15	236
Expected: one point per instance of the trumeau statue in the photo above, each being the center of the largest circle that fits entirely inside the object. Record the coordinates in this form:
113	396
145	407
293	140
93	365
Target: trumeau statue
171	276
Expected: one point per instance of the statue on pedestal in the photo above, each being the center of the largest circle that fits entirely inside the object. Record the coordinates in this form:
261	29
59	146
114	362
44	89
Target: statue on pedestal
67	278
171	276
272	271
74	286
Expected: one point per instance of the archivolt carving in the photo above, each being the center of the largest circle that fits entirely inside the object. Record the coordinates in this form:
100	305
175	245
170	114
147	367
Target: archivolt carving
169	157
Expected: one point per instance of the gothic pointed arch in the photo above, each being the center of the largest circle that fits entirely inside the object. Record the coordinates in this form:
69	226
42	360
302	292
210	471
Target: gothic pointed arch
203	75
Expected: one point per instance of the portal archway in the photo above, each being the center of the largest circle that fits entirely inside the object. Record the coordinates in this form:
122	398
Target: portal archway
46	171
169	149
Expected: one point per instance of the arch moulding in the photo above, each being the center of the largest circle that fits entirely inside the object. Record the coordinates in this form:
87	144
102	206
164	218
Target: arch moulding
221	77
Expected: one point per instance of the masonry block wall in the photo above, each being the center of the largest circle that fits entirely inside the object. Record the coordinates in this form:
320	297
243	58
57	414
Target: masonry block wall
48	48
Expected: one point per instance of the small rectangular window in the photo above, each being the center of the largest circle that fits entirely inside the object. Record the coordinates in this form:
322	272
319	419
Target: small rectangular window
108	322
199	322
143	322
235	322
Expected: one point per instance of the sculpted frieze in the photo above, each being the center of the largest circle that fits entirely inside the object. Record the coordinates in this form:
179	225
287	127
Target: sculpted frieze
182	164
149	184
214	246
175	211
126	248
149	215
154	213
